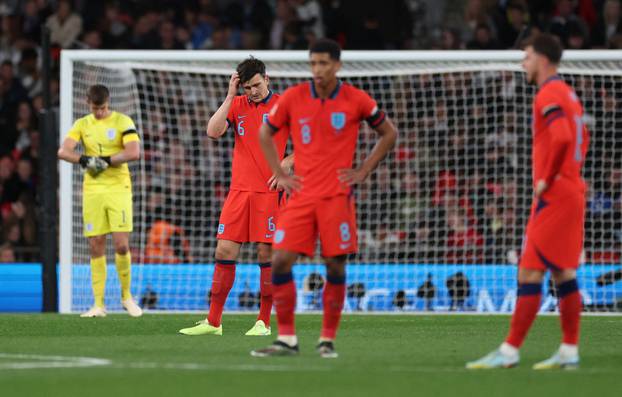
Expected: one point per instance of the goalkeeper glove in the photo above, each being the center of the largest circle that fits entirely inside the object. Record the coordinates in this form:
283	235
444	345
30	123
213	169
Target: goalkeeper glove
84	161
93	165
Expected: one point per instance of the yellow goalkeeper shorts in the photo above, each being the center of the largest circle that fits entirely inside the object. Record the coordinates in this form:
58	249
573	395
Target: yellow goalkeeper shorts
107	212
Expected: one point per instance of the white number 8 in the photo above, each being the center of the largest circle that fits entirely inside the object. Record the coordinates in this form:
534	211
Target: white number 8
344	228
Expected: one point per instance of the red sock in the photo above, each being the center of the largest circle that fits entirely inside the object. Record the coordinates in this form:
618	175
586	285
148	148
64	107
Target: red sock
333	297
284	292
222	281
527	306
265	292
569	311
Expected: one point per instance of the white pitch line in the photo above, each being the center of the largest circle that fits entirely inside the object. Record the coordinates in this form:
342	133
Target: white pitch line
43	361
285	368
218	367
39	361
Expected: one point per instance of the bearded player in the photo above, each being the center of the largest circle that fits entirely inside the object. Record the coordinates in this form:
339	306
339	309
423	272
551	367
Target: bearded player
554	234
250	210
323	116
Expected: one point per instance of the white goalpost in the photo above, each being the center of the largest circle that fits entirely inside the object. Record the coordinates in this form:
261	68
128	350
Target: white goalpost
440	221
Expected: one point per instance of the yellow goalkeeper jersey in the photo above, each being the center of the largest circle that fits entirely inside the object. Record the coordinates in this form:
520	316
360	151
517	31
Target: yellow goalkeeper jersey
105	137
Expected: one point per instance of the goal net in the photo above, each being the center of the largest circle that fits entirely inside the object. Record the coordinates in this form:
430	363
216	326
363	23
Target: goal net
440	221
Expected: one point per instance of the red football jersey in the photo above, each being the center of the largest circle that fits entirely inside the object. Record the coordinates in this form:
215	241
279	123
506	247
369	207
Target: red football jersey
324	132
560	138
250	170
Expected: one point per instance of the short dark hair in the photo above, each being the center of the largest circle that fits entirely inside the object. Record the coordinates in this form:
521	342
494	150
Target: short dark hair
327	46
98	94
547	45
249	68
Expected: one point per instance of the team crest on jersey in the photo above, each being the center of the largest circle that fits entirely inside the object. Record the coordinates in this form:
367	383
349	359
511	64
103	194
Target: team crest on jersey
338	120
265	117
279	236
112	133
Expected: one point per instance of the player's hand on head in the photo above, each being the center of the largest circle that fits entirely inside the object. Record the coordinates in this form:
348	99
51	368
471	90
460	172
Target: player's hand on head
234	84
351	176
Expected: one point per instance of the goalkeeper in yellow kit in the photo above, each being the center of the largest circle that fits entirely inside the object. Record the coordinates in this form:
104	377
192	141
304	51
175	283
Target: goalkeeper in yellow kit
110	141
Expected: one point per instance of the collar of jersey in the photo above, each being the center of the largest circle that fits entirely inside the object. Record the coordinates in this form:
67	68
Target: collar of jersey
264	101
332	95
552	78
104	119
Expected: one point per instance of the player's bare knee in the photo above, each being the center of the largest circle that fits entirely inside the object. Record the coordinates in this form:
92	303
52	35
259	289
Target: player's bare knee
121	248
279	265
225	254
530	276
336	266
227	250
264	253
97	246
282	262
561	276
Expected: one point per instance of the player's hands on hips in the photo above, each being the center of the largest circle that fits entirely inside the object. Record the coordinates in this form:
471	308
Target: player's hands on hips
234	83
541	187
351	176
289	183
287	164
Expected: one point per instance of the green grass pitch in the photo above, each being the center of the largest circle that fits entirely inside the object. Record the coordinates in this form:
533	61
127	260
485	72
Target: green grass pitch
390	355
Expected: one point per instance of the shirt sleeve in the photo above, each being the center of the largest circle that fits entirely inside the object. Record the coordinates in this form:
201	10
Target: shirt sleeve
279	114
128	130
369	111
75	132
232	112
559	132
